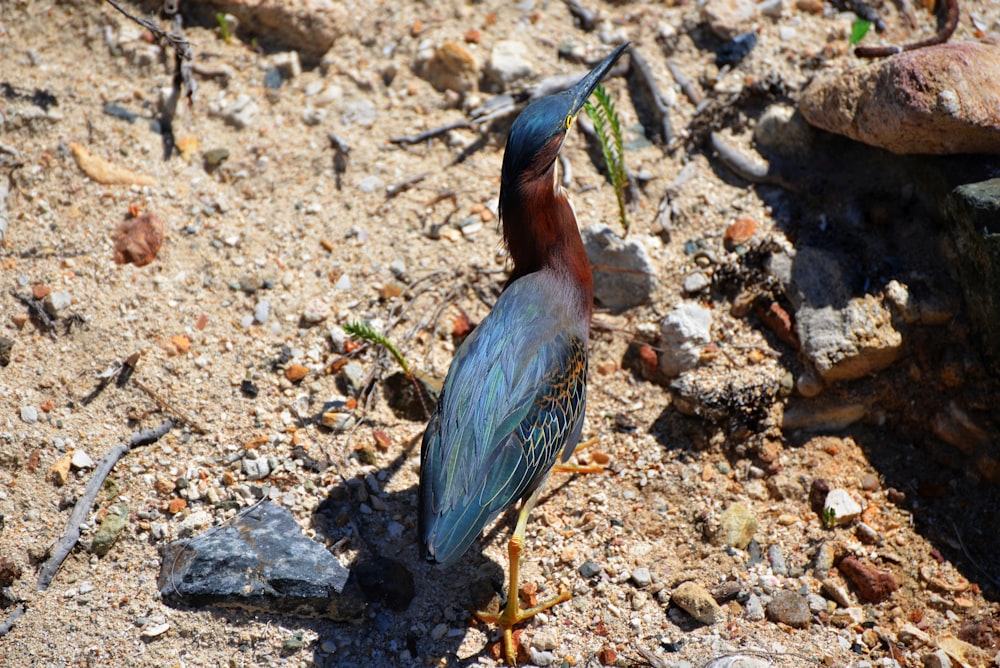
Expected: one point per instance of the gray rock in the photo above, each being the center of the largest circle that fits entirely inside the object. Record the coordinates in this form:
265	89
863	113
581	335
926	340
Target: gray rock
242	112
973	212
817	603
754	608
260	561
841	506
589	569
338	339
695	600
57	302
789	607
352	376
844	337
624	275
316	311
736	527
684	333
508	62
641	577
939	99
255	469
777	559
729	18
936	659
287	63
696	282
82	460
542	658
29	414
111	527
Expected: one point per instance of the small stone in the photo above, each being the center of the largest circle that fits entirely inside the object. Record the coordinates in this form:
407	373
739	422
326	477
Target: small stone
739	232
449	67
262	311
293	643
629	279
287	64
542	658
296	372
29	414
641	577
81	460
176	505
111	527
589	569
154	631
242	112
214	158
843	617
546	639
840	507
370	184
872	584
777	559
684	333
256	469
57	302
936	659
737	527
817	604
754	609
728	18
316	311
697	602
696	282
439	631
788	607
508	62
835	592
352	377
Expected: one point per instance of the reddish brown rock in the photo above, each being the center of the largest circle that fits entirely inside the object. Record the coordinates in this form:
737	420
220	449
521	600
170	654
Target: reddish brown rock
872	584
939	100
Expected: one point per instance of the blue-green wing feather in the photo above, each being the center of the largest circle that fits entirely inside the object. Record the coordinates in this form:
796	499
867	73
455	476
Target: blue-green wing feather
512	402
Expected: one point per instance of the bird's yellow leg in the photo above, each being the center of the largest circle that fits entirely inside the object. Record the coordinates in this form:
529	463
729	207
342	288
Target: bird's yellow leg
577	468
512	614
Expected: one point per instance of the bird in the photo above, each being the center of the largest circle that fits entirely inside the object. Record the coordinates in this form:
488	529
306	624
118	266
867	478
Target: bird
512	404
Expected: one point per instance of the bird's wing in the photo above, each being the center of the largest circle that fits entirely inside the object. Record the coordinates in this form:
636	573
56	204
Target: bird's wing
513	400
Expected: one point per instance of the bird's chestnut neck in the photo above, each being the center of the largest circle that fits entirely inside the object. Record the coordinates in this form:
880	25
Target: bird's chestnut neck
540	228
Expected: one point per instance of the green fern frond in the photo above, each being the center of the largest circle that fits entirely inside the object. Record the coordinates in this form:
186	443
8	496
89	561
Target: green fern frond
362	330
607	125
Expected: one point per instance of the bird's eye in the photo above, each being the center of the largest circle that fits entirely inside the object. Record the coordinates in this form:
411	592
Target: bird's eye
569	121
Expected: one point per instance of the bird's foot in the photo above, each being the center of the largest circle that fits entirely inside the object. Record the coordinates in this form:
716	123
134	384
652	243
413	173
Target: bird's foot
599	460
512	615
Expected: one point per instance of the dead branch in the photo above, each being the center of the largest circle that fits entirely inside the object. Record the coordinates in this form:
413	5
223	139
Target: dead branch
83	505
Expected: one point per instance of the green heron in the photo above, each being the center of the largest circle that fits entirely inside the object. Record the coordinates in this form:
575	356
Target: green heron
513	400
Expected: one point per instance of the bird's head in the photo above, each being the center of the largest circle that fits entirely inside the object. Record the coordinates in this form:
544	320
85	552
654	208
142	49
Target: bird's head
538	133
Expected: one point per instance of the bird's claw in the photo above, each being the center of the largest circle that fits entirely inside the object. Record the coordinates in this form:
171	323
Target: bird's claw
512	615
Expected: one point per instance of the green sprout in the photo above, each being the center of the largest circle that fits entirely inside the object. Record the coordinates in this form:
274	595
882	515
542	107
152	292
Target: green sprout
608	127
859	30
224	31
365	332
829	518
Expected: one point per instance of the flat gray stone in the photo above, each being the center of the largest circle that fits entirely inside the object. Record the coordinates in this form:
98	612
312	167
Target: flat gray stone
624	275
261	561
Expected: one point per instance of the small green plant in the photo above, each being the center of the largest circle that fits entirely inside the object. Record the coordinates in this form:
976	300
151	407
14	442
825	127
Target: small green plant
365	332
829	518
608	126
224	30
859	30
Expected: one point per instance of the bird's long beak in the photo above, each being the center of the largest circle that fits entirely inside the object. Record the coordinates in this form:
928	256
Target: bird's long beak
583	89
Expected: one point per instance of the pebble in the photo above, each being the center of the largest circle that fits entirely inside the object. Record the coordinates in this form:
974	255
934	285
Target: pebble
777	559
630	278
287	64
194	522
834	591
684	333
789	607
696	282
370	184
738	661
29	414
262	311
450	66
873	584
817	603
154	631
111	527
82	460
546	639
589	569
841	507
737	527
728	18
508	62
242	112
641	577
312	116
57	302
754	608
316	311
353	378
697	602
542	658
255	469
